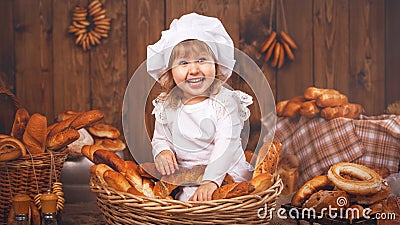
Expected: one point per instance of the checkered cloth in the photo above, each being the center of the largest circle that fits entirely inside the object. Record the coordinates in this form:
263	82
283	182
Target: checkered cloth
319	143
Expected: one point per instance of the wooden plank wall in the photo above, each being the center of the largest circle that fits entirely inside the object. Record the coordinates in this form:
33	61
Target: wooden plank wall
350	45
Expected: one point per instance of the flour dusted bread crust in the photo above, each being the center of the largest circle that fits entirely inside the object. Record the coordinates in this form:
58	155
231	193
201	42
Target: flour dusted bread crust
35	134
20	121
103	130
233	190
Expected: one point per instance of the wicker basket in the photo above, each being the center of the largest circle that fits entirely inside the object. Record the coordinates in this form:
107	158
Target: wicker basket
123	208
31	174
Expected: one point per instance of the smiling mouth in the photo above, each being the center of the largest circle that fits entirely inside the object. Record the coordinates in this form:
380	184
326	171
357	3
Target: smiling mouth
195	80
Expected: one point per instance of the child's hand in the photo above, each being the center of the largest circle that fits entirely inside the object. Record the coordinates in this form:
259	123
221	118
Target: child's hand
204	192
166	162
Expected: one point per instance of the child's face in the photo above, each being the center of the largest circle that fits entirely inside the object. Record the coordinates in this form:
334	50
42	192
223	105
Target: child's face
193	70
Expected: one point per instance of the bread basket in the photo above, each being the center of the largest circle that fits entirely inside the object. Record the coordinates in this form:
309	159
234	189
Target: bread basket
123	208
31	174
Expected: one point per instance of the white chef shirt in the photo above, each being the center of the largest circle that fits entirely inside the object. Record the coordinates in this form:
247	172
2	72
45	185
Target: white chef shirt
205	133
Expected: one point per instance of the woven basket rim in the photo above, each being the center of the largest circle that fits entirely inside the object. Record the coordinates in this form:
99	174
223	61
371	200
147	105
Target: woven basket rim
35	157
275	189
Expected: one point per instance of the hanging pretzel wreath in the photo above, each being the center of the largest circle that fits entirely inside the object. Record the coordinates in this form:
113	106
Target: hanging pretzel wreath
90	25
279	45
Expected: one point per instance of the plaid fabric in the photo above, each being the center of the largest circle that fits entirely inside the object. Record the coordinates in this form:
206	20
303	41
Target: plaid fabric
319	143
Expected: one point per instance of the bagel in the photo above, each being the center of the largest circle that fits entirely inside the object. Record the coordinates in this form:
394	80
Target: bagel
309	188
368	181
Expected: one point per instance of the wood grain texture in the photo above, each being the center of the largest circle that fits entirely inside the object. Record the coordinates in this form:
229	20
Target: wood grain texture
367	67
147	19
7	76
108	66
331	45
71	76
392	50
33	54
225	10
294	77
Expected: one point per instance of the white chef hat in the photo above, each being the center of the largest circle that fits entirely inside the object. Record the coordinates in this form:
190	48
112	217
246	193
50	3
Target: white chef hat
191	26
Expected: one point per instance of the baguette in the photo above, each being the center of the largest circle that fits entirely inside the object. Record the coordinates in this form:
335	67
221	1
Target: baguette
62	139
35	134
77	121
132	175
111	159
233	190
118	182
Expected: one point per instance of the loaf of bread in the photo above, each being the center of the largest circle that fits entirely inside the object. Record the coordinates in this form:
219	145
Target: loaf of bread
292	109
268	158
110	144
77	121
186	176
118	181
310	187
11	148
233	190
325	199
349	110
309	109
35	134
280	107
88	151
132	175
111	159
62	139
103	130
21	119
163	189
98	171
288	172
330	98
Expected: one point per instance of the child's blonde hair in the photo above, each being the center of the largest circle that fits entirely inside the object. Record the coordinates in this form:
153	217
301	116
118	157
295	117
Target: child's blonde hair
188	48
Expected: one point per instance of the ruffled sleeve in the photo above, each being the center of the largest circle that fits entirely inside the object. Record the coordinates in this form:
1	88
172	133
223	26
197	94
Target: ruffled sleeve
244	101
159	109
228	98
